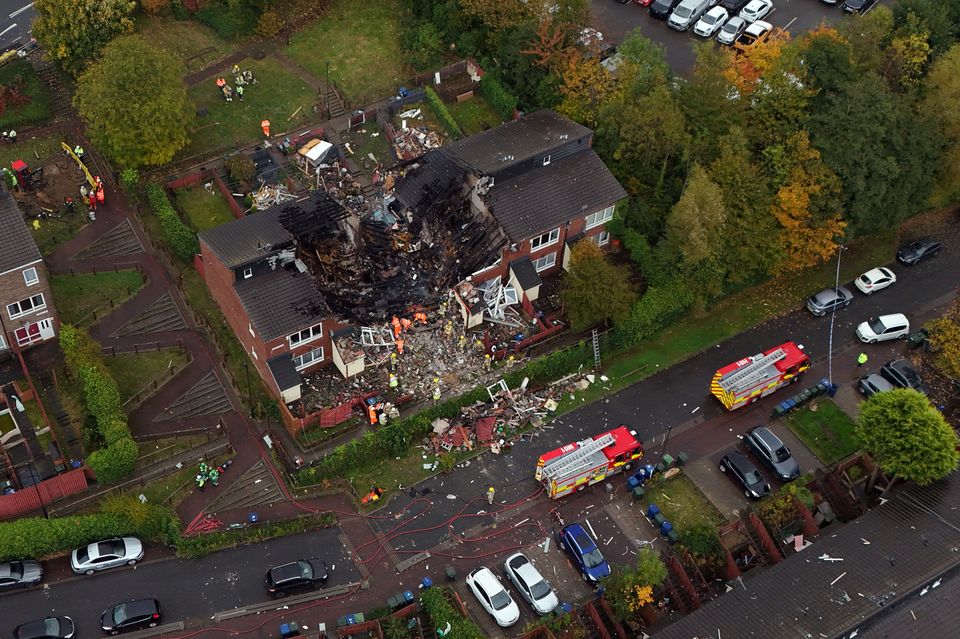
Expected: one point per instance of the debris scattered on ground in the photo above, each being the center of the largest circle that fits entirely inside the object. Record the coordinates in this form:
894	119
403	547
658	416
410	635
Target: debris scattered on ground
270	195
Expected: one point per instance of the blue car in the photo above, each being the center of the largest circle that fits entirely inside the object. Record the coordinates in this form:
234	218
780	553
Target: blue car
584	552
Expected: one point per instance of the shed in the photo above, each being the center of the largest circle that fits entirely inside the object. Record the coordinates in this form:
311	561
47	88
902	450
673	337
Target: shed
314	152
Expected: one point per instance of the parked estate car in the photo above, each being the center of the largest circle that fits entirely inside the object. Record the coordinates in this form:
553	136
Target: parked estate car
876	279
756	10
584	552
772	452
493	597
20	574
755	33
296	575
900	372
858	6
106	554
531	584
918	250
829	299
731	30
711	22
49	628
139	613
871	384
884	328
745	473
687	13
660	9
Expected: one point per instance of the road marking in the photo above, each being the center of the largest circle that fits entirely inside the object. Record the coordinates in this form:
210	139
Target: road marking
12	26
20	10
789	23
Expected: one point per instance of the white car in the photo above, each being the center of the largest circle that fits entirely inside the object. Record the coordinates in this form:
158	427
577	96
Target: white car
531	584
106	554
731	30
876	279
756	10
493	597
884	328
711	22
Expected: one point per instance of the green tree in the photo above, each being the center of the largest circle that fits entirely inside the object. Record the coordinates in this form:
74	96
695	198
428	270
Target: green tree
940	103
703	544
426	47
643	63
75	31
708	102
147	130
828	59
869	35
595	291
630	587
945	340
931	18
907	436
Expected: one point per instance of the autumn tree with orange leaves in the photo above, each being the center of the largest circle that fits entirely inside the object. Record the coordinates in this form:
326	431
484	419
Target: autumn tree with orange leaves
744	69
587	87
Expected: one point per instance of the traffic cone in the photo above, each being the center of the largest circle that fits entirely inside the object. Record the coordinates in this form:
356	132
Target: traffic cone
265	125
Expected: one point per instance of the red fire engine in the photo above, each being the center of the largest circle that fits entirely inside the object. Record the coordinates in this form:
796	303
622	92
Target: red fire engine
575	466
747	380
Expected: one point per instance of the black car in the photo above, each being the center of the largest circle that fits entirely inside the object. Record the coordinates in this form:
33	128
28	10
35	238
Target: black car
773	453
139	613
917	251
871	384
733	6
900	372
858	6
20	574
745	473
49	628
297	575
661	9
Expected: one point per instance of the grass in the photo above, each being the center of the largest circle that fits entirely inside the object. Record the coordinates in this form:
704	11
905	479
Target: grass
827	431
173	488
82	298
361	42
6	423
364	143
474	115
316	434
32	150
184	40
275	97
38	109
682	503
203	209
134	371
51	233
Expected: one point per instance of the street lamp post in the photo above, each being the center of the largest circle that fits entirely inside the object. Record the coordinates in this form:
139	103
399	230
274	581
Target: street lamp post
663	448
833	315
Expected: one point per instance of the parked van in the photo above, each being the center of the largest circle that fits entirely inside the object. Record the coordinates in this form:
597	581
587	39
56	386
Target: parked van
687	13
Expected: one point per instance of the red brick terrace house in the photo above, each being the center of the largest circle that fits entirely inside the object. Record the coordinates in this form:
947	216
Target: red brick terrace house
28	316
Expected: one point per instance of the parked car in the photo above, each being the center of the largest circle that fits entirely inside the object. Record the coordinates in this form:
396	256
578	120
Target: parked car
918	251
493	597
829	299
106	554
753	34
900	372
876	279
733	7
884	328
711	22
858	6
644	3
139	613
745	473
49	628
687	13
871	384
661	9
296	575
773	453
756	10
530	584
731	30
20	574
584	552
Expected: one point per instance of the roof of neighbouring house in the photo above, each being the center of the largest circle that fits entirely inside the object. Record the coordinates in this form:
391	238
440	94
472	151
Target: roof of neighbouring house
282	302
284	371
248	239
543	199
525	273
17	247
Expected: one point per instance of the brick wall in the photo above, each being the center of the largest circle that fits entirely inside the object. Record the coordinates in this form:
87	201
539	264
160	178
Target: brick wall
13	288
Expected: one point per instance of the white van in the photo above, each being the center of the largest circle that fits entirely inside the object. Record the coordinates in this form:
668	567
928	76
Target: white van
687	13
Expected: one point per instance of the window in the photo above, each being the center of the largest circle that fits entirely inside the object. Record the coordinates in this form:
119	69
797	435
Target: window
546	160
306	335
601	239
3	342
30	276
545	262
599	217
307	359
545	240
29	305
247	273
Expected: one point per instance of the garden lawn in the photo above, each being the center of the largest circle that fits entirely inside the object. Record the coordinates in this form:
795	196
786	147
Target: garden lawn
361	41
83	297
474	115
184	40
37	109
364	143
133	371
827	431
204	210
30	149
682	503
276	96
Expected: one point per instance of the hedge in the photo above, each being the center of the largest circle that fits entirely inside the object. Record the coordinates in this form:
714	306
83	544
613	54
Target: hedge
436	603
497	96
659	306
180	236
114	462
440	110
202	545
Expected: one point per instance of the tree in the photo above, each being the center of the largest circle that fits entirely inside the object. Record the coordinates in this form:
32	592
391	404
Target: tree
497	14
945	340
587	87
595	291
908	437
75	31
269	24
868	35
931	18
703	544
629	588
240	167
744	69
147	130
828	59
643	63
942	97
907	60
708	102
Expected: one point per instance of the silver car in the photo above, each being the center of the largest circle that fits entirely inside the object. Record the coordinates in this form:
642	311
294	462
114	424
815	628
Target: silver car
530	583
829	299
731	30
106	554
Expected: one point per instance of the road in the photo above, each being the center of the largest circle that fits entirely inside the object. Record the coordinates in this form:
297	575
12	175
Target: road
15	19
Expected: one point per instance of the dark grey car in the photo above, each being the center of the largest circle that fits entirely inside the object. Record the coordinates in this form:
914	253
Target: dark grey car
872	383
900	372
20	574
49	628
773	453
918	250
828	300
744	473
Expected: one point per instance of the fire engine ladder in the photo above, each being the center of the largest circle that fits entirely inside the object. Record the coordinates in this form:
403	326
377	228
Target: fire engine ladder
750	374
562	467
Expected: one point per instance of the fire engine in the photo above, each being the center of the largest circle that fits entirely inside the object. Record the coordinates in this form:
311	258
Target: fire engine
575	466
747	380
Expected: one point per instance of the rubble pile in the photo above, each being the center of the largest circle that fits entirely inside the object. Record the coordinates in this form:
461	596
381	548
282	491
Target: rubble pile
270	195
413	142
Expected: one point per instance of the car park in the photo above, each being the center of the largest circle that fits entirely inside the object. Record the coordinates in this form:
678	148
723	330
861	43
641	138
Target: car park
584	552
687	13
102	555
731	30
744	473
876	279
918	251
772	452
902	374
884	328
756	10
494	598
132	615
530	584
829	299
711	22
296	575
661	9
858	6
48	628
20	574
872	383
754	34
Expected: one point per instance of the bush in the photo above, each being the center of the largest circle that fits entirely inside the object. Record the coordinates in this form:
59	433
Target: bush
659	306
197	546
440	110
129	178
240	167
269	24
424	46
154	7
178	10
497	96
114	462
230	19
436	603
181	238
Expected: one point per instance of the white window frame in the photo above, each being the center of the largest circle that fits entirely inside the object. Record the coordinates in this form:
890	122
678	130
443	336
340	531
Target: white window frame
547	261
602	238
33	309
3	342
36	276
315	355
315	332
598	218
551	237
546	160
247	273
